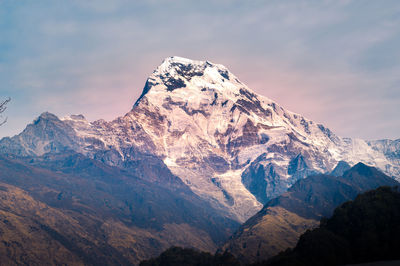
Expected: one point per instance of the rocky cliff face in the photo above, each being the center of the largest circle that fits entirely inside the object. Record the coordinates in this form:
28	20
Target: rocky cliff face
232	147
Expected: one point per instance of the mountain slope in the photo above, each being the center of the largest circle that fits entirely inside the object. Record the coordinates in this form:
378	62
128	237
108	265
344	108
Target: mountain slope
19	231
98	213
232	147
282	220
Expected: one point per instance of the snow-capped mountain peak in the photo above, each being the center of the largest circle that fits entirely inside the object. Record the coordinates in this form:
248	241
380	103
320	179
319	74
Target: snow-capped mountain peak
195	82
178	66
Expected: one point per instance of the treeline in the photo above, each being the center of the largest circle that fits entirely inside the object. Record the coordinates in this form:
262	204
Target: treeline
177	256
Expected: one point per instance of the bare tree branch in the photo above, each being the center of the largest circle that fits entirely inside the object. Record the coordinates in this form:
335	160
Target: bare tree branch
3	107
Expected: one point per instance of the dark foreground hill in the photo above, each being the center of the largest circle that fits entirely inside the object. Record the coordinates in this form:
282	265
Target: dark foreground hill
364	230
280	223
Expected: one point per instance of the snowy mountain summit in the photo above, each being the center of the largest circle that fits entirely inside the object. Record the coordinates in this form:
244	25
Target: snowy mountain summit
198	78
231	146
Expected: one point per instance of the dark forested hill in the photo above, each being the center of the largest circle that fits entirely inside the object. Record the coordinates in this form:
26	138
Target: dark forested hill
364	230
176	256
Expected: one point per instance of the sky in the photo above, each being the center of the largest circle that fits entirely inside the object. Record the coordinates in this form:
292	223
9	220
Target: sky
335	62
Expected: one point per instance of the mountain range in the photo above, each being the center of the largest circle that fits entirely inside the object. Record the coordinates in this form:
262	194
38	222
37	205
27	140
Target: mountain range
198	154
232	147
